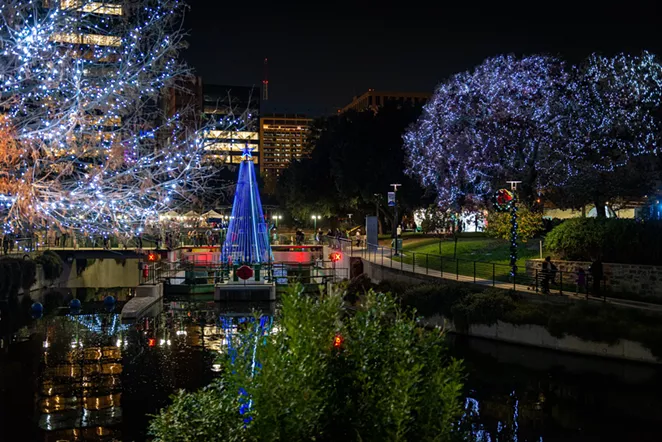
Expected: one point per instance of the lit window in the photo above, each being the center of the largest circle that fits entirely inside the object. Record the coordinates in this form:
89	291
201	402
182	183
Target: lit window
92	7
86	39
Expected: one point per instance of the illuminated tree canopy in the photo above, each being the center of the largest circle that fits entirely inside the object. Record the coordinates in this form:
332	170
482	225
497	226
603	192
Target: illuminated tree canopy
536	120
85	143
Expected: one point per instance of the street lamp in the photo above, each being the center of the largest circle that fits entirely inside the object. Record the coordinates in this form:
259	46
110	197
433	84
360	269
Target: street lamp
395	216
315	218
277	217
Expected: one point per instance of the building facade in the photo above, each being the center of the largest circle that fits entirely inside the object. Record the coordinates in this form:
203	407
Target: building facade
373	100
232	113
283	139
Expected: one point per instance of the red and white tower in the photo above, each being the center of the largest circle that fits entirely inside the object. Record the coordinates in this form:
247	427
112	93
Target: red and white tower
265	81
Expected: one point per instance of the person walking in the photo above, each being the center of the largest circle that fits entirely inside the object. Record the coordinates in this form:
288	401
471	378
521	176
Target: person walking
596	274
546	275
581	282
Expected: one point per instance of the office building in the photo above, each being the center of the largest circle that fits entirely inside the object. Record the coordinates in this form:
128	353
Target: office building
233	114
374	100
283	139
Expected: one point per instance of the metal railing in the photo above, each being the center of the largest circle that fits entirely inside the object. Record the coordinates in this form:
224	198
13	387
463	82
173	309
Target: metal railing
214	273
475	271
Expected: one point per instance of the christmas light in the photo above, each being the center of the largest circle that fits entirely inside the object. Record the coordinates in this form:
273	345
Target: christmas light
85	143
534	118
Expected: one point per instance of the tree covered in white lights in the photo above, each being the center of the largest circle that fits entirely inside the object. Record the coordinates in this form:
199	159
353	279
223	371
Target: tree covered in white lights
85	144
536	120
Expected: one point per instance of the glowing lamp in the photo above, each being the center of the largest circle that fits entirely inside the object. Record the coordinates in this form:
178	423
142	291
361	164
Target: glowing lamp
337	341
335	256
151	257
151	342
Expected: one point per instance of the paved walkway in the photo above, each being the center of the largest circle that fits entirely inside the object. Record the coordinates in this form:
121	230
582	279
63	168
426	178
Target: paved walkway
383	259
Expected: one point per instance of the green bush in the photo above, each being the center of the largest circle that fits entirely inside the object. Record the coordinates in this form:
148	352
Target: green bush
15	274
430	299
388	380
614	240
482	308
529	224
590	321
51	263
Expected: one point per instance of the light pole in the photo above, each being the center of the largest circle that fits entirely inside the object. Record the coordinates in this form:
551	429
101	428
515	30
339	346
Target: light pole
277	217
315	218
395	216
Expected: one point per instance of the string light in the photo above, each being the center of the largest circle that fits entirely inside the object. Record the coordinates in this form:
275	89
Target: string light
85	142
534	117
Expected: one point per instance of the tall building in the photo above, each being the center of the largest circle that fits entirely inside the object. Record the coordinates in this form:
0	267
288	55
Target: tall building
373	100
283	138
234	113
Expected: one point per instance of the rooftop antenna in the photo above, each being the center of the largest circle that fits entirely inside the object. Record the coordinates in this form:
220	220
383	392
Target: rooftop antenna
265	81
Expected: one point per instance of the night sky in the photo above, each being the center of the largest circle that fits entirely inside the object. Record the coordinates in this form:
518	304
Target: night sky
322	54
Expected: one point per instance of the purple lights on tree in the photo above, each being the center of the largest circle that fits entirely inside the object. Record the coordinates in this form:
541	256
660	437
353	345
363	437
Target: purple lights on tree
534	119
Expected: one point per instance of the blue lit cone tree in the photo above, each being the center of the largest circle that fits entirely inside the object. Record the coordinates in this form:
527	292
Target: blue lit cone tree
247	239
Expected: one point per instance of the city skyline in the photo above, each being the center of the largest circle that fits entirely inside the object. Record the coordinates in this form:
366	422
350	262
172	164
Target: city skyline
319	61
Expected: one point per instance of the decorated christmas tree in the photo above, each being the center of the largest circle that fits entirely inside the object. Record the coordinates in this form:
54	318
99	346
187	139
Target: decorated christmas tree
247	239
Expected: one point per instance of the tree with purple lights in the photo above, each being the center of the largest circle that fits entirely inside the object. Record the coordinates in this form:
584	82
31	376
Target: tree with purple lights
487	126
609	133
557	129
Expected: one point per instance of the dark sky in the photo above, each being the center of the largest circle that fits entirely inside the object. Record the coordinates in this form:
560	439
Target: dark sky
321	54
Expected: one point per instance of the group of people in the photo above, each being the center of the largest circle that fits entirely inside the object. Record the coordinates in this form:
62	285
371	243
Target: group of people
8	243
549	272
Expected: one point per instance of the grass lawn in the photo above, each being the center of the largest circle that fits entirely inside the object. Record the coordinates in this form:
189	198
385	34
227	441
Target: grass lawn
488	257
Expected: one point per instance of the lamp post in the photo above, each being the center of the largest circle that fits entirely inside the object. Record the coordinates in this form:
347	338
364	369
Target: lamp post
315	218
395	216
277	217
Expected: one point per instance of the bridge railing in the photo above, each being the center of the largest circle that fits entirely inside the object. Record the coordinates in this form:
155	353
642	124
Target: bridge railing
319	271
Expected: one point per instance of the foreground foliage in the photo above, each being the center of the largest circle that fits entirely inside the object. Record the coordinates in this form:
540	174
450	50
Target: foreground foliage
327	374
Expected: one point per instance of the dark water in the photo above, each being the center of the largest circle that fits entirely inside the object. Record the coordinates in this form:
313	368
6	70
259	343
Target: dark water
90	377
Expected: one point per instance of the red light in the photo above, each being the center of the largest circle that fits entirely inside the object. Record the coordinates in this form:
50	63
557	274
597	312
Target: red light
151	342
335	256
151	257
337	341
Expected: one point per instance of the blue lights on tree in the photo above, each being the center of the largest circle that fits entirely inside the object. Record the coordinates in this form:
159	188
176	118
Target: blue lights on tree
247	239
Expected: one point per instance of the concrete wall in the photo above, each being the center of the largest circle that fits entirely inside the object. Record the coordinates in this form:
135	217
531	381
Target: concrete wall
102	273
378	273
642	280
538	336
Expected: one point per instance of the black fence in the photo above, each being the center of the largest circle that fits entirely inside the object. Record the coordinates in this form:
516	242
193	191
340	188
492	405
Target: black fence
476	271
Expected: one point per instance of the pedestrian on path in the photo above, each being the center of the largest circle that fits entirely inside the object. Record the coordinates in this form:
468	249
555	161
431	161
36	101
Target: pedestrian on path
581	282
596	274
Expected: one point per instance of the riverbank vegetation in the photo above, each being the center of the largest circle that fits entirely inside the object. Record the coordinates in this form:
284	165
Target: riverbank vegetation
466	305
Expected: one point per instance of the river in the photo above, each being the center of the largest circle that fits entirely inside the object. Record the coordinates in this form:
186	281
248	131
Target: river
90	377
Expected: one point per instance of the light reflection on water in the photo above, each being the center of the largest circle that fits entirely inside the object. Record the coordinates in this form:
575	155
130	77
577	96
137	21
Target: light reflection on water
90	377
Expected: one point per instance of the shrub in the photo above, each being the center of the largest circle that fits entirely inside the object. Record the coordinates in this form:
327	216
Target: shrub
430	299
15	274
597	322
614	240
482	308
529	224
387	380
51	263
